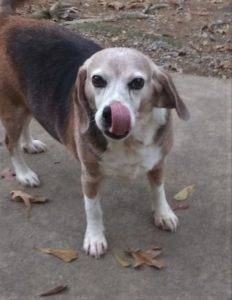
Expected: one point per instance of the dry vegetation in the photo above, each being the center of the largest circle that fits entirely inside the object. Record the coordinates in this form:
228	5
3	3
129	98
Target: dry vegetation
182	35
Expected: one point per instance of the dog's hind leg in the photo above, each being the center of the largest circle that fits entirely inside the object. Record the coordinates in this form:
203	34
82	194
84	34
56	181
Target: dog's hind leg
14	120
29	144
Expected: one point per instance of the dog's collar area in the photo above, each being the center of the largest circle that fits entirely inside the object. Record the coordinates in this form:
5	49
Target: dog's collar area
115	136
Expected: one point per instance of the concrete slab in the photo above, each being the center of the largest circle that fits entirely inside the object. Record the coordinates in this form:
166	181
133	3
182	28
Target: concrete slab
198	255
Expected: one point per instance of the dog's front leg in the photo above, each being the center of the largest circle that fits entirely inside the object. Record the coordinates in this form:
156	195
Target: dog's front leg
164	217
94	242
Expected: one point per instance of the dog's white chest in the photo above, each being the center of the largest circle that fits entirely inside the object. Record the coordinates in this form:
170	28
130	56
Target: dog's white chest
121	161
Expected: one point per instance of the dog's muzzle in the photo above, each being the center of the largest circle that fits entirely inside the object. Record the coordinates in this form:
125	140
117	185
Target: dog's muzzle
116	120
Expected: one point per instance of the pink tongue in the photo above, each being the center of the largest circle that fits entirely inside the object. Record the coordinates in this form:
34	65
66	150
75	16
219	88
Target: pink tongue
120	117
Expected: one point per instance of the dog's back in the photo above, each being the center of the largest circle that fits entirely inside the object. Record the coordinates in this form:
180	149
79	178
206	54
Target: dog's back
39	63
46	58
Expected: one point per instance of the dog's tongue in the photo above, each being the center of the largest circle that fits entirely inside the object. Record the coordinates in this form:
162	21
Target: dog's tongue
120	117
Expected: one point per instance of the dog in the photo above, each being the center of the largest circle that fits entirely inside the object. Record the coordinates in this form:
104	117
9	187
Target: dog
110	107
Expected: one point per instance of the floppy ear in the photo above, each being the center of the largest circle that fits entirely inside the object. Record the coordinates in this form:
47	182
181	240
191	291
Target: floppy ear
168	95
80	99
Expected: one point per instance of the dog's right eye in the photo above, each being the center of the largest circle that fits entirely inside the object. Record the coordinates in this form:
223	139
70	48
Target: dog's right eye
98	81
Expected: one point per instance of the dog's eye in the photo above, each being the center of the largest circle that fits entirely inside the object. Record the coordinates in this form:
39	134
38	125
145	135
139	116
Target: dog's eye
98	81
136	84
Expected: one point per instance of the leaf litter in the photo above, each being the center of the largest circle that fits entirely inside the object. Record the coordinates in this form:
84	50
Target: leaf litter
142	258
185	193
122	260
27	199
57	290
67	255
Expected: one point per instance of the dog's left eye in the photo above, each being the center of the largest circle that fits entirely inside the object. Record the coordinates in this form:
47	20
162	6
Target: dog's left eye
136	84
98	81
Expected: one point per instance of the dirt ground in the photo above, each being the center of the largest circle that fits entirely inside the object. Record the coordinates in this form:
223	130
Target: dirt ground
181	35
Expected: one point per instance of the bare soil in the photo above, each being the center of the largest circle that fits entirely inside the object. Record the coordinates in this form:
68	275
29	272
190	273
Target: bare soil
184	36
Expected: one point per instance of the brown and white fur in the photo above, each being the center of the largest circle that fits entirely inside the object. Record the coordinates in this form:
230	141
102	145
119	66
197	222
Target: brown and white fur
143	148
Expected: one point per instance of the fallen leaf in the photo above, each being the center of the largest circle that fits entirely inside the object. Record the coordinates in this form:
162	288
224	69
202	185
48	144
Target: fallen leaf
175	68
222	31
22	197
185	193
205	43
180	206
66	255
7	174
147	258
208	28
116	5
39	199
27	199
220	47
57	290
65	11
122	260
115	39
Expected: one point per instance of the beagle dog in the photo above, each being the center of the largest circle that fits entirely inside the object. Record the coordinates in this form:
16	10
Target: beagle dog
110	107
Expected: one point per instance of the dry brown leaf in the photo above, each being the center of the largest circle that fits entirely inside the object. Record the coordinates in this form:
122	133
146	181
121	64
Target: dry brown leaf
66	255
205	43
39	199
7	174
57	290
122	260
185	193
27	199
22	197
116	5
220	47
147	258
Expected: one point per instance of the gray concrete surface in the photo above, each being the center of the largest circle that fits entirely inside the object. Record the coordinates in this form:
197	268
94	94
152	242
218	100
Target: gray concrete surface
198	255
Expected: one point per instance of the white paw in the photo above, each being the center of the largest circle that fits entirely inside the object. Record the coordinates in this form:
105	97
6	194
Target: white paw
95	245
28	178
34	146
166	219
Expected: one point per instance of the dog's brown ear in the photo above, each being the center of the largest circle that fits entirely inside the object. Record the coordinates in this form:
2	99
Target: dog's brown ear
168	95
81	101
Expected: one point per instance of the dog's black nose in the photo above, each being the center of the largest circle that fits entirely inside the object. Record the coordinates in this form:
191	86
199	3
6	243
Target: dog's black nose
106	117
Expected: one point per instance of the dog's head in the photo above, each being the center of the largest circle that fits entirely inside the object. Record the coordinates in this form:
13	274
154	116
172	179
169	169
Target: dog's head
116	86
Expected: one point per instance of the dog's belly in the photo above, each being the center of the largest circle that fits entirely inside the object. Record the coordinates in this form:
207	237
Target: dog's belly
119	161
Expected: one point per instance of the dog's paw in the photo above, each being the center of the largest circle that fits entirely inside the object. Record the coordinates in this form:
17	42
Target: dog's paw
166	220
28	178
95	244
34	147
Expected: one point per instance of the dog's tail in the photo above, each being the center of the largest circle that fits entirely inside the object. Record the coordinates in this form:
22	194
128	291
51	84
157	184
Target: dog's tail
7	7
